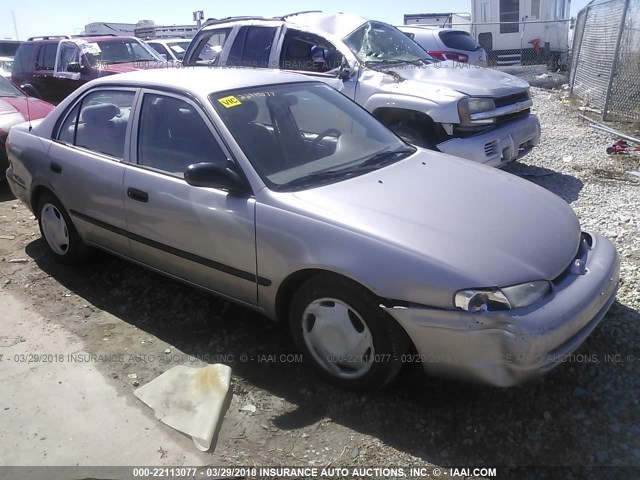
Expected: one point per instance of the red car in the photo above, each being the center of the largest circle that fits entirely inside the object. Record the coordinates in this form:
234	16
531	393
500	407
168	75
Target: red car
16	107
52	67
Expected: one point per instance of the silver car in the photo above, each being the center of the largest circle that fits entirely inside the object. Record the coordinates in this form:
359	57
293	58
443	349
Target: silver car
275	191
447	44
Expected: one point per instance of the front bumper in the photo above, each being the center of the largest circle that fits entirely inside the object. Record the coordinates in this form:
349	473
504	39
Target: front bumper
505	348
497	146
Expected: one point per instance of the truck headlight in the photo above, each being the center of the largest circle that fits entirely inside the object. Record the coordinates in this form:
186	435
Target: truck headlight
506	298
468	106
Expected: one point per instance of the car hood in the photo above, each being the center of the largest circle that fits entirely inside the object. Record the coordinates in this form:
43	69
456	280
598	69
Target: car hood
489	227
470	80
36	108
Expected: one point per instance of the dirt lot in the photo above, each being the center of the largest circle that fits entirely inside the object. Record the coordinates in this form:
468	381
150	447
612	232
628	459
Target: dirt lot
586	412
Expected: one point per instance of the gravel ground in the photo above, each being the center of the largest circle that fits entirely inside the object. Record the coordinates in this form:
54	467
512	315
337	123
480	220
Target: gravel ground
585	412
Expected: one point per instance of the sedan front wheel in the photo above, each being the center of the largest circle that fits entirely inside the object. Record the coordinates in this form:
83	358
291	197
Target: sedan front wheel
345	335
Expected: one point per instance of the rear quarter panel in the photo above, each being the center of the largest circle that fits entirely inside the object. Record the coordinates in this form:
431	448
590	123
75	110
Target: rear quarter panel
28	159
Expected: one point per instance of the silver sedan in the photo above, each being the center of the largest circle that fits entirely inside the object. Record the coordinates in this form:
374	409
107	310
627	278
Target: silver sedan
275	191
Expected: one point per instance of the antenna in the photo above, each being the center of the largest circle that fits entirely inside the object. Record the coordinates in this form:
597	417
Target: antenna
26	97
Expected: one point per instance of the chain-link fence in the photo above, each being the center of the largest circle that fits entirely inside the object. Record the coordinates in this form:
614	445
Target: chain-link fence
605	61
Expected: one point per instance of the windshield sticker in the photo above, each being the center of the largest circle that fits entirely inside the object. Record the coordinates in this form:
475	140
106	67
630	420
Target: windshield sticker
177	48
249	96
230	101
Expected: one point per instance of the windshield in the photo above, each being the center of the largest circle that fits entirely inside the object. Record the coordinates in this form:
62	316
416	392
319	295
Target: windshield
8	89
179	48
304	135
377	42
127	50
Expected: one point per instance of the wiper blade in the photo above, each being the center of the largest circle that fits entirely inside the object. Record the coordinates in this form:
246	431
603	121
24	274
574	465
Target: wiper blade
314	178
373	163
418	62
383	158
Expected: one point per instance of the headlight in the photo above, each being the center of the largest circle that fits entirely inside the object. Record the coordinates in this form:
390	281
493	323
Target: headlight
468	106
507	298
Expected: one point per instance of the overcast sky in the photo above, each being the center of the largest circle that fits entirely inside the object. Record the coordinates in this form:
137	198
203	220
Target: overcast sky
56	17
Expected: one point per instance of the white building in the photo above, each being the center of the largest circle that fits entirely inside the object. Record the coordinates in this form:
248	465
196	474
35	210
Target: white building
142	29
105	28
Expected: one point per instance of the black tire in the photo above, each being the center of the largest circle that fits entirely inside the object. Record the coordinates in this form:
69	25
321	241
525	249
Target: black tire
413	134
389	340
71	251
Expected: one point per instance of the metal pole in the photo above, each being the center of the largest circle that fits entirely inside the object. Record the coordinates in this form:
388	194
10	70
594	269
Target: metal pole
605	110
15	27
577	53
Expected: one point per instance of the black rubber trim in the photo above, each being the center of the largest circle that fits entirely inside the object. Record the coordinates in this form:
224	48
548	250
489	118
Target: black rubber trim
174	251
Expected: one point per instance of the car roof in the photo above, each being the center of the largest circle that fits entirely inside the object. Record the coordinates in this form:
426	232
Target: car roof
336	24
202	81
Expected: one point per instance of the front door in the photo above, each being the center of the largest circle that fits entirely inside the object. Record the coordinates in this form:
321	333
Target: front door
202	235
66	81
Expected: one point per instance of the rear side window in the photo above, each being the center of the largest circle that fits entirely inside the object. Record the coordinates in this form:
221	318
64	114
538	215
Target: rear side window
458	41
160	49
47	56
208	46
22	60
99	122
252	47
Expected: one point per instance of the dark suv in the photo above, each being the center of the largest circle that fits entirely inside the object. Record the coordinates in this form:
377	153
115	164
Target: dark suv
52	67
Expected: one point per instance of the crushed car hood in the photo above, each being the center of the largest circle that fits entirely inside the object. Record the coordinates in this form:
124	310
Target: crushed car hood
490	227
463	78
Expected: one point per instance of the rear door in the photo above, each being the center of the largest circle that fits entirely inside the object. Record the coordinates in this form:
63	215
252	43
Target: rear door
87	164
202	235
253	47
43	79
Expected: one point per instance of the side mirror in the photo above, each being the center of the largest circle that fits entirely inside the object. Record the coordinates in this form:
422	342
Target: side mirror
75	67
345	72
164	57
213	175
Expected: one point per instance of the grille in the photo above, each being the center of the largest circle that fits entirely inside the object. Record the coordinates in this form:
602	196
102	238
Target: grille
491	149
510	99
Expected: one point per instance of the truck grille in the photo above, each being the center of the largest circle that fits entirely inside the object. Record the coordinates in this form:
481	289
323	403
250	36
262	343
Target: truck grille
513	98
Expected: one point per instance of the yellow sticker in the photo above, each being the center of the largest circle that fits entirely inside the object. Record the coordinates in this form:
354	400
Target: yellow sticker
230	101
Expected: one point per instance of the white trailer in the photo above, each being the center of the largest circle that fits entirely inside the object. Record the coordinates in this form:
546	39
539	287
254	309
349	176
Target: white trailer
460	21
109	28
522	31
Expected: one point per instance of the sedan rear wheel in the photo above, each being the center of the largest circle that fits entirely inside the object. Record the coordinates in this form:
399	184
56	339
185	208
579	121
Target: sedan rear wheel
344	333
59	232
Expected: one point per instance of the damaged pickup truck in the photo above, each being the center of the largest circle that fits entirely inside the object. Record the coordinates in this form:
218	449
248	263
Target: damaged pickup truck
475	113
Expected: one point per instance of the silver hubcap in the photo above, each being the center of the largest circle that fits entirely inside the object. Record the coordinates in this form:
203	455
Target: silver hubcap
54	229
338	338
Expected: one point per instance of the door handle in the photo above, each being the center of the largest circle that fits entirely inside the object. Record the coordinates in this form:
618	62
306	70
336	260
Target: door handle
138	195
55	167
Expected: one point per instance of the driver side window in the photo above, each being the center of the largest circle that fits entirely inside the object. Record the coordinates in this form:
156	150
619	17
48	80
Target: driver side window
68	53
172	135
309	53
